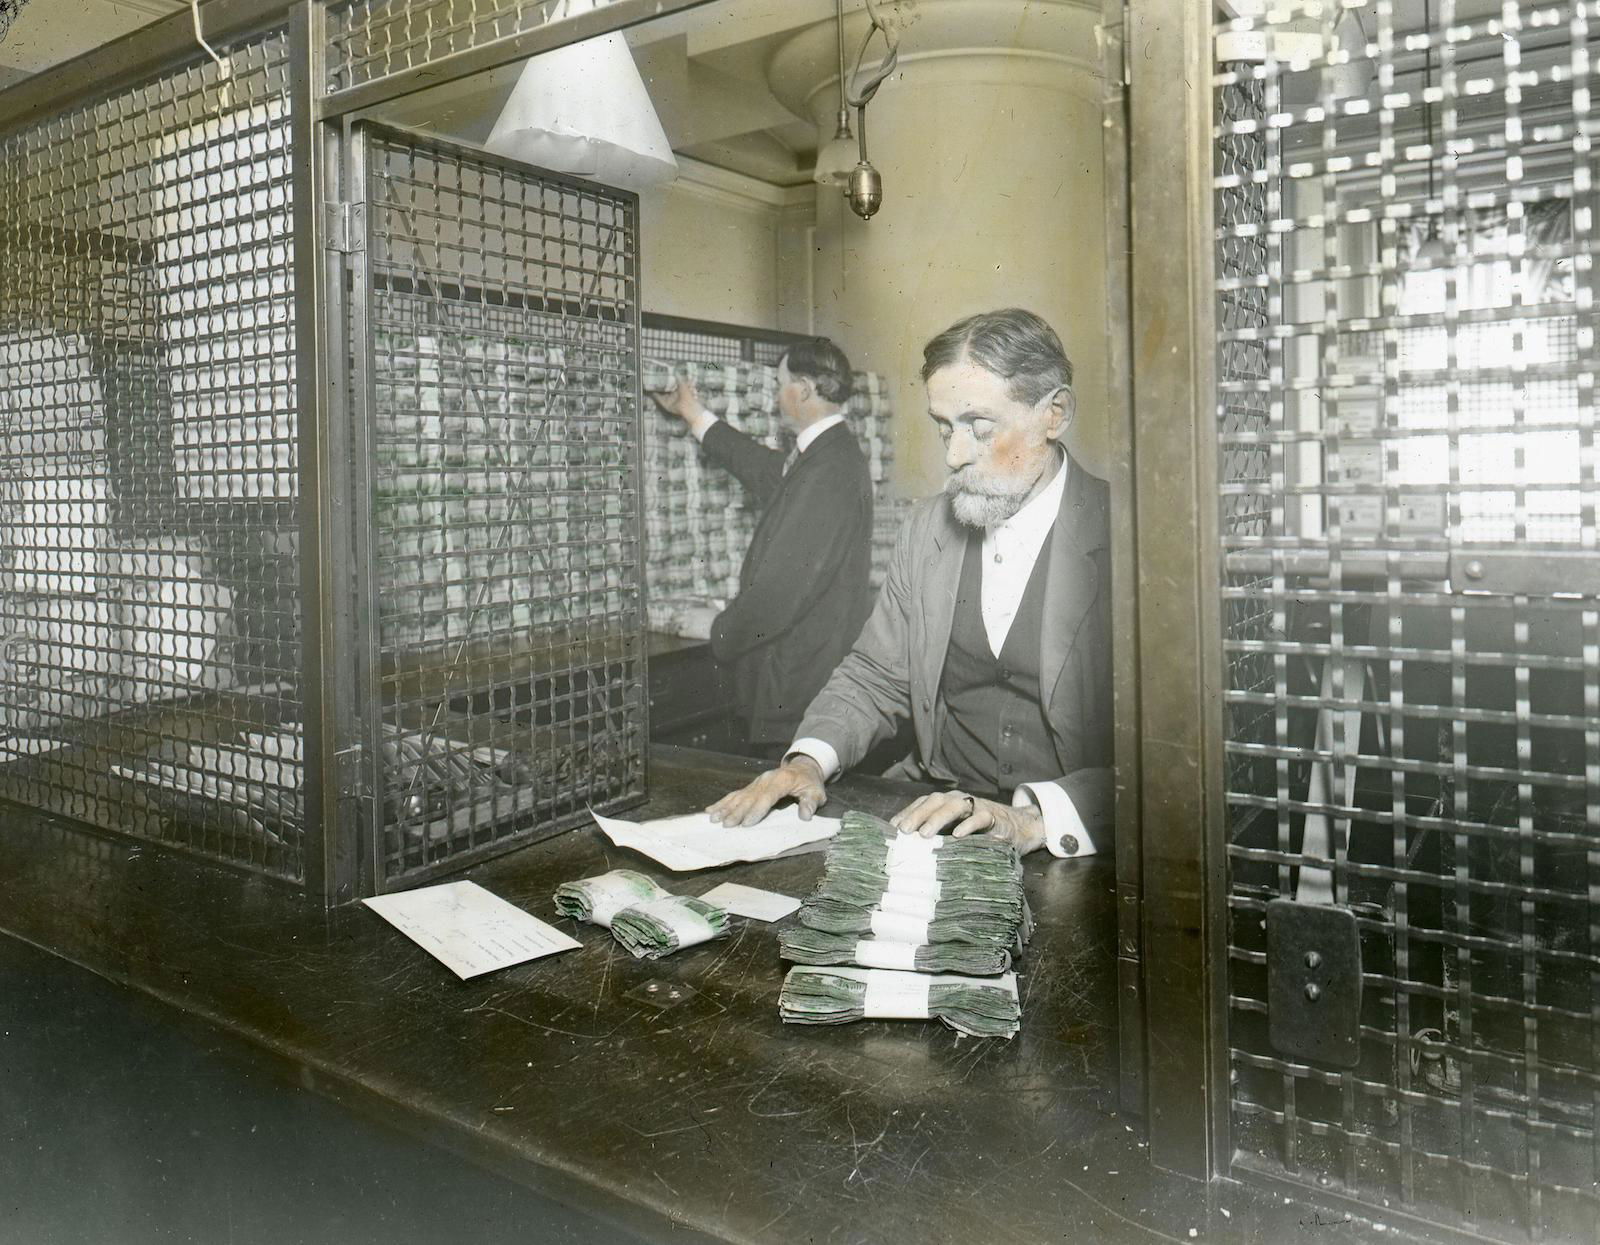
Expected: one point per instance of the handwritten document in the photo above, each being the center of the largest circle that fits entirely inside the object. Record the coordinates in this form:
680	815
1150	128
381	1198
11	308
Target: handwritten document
469	930
694	841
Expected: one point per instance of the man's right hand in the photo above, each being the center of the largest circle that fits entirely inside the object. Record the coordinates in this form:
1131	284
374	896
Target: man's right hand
684	402
799	777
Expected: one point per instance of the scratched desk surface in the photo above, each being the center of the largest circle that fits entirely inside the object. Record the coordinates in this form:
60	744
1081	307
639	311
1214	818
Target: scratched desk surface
704	1117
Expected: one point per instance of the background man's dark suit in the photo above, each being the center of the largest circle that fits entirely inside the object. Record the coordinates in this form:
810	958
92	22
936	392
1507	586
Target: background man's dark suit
804	587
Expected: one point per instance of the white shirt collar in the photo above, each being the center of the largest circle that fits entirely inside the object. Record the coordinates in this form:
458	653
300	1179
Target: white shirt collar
807	435
1037	517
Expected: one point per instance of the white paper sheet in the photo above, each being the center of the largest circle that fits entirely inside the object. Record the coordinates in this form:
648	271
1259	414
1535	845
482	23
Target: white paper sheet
748	901
696	842
468	929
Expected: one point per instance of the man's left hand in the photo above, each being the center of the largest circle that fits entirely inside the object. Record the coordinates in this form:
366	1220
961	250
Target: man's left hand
1022	827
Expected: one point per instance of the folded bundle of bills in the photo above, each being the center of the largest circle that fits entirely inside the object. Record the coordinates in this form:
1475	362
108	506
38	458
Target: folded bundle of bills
909	889
800	945
658	927
830	996
599	899
897	919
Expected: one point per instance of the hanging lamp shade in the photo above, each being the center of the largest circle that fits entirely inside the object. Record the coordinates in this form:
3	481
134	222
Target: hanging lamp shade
583	109
838	157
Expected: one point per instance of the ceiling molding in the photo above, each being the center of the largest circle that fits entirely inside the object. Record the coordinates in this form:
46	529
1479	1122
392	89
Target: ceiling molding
721	185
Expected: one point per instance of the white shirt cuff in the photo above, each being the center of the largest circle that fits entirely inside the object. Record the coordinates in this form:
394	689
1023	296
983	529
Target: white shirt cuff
1064	834
702	424
820	751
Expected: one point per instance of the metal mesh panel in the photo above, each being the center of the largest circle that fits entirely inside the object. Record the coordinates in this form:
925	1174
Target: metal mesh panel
372	39
149	580
1404	304
505	485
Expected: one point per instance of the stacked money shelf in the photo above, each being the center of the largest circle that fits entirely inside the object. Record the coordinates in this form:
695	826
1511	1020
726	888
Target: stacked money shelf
320	523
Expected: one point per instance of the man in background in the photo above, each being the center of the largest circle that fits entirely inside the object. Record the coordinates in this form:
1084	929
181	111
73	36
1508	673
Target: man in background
992	633
804	586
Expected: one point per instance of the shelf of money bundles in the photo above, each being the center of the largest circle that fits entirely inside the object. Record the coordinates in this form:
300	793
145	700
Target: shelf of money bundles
698	519
90	619
906	927
500	488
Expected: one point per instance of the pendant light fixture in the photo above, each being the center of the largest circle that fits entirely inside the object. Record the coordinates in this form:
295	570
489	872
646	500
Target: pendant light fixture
583	109
864	190
838	156
1432	250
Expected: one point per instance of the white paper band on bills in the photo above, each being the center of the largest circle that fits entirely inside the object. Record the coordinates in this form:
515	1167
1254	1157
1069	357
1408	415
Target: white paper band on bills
897	927
912	856
920	887
687	925
896	996
610	895
919	907
885	953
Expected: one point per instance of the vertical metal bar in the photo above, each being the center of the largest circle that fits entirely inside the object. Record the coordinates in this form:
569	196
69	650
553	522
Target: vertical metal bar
640	553
1131	1019
1390	414
1583	209
1460	902
1178	584
356	325
331	860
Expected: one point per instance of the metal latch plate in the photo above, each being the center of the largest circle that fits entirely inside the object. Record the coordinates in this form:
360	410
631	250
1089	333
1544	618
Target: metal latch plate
1314	982
1533	572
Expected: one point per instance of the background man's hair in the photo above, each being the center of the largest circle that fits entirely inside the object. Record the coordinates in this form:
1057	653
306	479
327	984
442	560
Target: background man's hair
825	366
1014	344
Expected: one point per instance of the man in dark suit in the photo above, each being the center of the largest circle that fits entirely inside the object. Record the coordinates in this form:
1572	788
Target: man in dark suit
804	587
992	633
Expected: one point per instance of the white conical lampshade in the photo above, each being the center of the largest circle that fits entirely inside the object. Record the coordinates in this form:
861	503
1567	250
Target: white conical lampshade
583	109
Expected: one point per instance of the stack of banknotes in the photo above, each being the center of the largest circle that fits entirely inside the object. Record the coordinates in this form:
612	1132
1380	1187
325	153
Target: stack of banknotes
979	1006
649	921
901	906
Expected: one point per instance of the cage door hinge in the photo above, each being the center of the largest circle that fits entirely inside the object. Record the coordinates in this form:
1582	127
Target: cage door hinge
347	771
346	227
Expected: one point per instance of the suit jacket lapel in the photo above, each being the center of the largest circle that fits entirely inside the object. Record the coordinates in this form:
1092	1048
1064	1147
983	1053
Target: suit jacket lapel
1073	582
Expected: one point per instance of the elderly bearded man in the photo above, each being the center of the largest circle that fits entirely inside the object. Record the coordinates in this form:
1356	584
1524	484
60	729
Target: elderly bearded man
993	629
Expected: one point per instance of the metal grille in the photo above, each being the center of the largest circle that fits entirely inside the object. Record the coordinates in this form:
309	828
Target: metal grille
374	39
503	379
1404	307
149	577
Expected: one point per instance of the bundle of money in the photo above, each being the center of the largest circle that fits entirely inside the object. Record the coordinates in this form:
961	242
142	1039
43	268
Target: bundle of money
658	927
800	945
599	899
830	996
904	917
908	889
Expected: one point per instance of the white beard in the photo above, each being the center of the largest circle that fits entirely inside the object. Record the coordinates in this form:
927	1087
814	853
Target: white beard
985	506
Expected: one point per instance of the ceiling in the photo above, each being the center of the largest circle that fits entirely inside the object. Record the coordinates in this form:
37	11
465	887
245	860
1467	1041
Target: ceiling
705	69
706	72
47	32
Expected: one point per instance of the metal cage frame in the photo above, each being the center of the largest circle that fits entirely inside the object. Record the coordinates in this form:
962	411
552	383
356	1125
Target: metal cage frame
340	780
1496	1135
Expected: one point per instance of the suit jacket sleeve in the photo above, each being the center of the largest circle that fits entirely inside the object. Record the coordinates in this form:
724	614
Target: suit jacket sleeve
868	694
758	467
1090	787
822	515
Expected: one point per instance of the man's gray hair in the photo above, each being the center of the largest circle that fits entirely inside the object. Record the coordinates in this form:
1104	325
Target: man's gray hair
1014	344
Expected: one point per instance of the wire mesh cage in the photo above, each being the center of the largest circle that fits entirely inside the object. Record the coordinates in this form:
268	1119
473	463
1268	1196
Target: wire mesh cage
1406	433
501	356
374	39
150	679
346	605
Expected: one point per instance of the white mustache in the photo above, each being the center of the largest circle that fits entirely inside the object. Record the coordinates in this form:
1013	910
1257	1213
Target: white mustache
961	482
